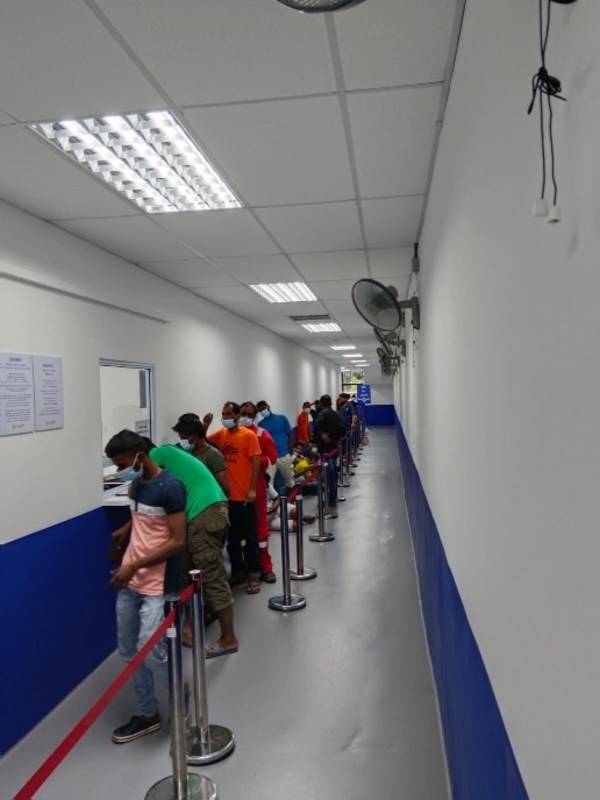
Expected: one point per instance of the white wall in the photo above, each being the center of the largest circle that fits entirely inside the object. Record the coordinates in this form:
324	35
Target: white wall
381	387
203	355
502	410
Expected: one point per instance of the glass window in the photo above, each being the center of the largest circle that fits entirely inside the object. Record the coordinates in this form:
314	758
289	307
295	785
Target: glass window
351	378
126	398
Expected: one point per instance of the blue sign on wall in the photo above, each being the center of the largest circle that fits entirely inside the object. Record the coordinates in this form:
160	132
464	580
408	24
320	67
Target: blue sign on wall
363	393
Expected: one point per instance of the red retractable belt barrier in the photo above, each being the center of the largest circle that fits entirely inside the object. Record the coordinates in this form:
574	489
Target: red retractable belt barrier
69	742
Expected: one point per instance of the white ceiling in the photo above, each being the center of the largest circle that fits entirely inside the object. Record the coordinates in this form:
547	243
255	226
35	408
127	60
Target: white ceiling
324	125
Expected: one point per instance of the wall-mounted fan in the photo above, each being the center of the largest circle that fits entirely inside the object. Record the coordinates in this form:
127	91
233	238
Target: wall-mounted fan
319	6
383	342
379	305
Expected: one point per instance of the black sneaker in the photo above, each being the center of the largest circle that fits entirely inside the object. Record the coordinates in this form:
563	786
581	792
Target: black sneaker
268	577
136	727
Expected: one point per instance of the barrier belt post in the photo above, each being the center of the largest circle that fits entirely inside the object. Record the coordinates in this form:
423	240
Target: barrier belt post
329	512
342	482
286	601
349	463
205	743
322	535
301	573
180	785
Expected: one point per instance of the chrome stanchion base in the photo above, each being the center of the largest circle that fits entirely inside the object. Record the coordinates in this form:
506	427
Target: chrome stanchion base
308	573
326	537
344	485
341	498
330	515
220	744
293	602
199	788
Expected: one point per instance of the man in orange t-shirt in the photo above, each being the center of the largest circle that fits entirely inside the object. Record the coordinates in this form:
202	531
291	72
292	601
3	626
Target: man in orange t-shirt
303	423
241	450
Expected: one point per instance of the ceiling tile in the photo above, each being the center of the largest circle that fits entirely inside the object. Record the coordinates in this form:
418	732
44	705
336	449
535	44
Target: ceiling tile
319	227
6	119
392	222
231	297
391	43
391	261
63	62
36	178
227	233
324	266
393	134
134	238
332	290
340	306
259	269
192	273
291	151
206	52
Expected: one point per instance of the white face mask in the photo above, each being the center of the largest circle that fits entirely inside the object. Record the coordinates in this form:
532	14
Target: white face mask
228	423
246	422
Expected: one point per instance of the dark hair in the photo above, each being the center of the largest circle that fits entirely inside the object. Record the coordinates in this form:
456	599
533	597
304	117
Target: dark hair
191	427
262	403
248	403
149	443
234	406
125	443
325	400
184	419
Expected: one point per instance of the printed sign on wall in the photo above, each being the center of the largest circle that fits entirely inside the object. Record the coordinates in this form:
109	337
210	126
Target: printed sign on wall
363	393
16	394
48	383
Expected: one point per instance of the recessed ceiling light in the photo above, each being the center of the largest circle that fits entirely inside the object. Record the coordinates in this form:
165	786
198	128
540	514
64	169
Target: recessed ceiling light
147	157
353	355
343	347
323	327
284	292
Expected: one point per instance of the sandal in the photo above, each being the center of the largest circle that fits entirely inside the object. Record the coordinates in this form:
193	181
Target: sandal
253	587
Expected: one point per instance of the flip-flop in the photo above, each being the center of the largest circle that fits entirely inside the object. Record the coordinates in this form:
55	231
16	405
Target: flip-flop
253	587
214	651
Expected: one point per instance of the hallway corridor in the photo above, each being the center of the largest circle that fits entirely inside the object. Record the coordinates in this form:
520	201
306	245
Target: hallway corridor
335	701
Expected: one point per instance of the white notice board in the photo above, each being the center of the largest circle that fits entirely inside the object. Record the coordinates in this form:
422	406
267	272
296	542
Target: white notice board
48	382
16	394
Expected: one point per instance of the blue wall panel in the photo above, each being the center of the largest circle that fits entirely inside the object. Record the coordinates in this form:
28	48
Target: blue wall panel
481	762
378	415
57	622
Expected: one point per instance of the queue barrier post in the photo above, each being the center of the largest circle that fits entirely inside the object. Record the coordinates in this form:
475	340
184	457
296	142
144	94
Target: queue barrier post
181	785
349	463
329	512
286	601
343	483
301	573
205	743
322	535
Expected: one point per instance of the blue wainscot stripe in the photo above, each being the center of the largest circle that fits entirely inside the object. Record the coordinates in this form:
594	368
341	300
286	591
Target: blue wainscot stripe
380	415
57	622
481	762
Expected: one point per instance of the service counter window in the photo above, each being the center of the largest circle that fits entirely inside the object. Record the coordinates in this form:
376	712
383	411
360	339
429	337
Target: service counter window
126	400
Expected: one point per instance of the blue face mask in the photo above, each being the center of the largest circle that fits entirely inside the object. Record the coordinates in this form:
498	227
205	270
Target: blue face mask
245	422
186	445
265	413
228	423
129	473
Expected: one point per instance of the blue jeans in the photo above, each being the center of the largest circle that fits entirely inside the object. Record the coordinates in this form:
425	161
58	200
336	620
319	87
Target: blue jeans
332	477
138	616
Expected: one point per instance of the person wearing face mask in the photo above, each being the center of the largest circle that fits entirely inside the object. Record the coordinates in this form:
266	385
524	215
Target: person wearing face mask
192	439
156	532
303	423
241	450
268	456
280	429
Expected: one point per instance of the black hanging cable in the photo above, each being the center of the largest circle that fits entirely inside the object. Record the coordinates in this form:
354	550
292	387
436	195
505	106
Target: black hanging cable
542	84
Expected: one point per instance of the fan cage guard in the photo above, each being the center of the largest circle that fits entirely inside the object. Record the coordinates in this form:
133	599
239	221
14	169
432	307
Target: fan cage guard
319	6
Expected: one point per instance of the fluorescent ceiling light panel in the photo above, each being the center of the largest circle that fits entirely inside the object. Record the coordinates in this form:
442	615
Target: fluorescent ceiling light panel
284	292
147	157
353	355
343	347
323	327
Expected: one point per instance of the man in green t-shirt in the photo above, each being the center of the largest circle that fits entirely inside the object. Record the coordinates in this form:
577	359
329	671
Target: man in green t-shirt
206	532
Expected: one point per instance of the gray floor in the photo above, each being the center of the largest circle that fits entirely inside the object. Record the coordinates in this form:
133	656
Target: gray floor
334	701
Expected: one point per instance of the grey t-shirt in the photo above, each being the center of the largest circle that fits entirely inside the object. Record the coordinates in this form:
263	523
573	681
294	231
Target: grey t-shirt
212	459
